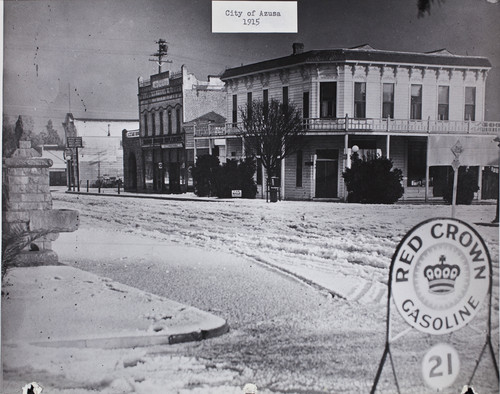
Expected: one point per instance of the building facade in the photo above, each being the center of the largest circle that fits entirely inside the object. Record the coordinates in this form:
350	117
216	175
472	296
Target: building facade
100	159
158	156
410	107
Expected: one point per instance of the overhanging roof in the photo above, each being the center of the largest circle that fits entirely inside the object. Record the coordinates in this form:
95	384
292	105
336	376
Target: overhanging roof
363	54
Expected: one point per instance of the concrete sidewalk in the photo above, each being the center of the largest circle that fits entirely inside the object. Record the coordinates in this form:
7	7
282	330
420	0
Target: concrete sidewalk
62	306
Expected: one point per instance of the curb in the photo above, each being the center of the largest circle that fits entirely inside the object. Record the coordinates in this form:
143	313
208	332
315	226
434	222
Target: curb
153	197
134	341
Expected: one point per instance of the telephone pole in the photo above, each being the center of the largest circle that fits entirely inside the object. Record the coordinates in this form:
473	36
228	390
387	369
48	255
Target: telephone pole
162	52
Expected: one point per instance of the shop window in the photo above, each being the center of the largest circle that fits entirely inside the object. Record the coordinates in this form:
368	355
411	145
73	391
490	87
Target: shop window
416	102
388	101
360	100
328	99
470	103
443	102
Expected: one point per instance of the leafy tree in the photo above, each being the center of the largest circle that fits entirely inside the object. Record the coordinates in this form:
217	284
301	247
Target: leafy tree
9	140
466	187
271	131
373	181
50	136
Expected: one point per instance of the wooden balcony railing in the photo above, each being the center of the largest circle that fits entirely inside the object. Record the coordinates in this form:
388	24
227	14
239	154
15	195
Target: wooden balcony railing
402	126
327	125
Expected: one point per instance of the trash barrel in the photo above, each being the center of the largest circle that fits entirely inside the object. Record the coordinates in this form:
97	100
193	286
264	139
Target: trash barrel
273	195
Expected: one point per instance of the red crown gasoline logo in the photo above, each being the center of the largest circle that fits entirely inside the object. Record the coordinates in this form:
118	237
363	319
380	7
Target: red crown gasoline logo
442	276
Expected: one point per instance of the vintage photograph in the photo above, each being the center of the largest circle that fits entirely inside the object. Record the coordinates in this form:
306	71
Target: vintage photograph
250	196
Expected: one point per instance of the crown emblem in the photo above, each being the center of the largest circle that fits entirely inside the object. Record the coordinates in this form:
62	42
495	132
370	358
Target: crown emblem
442	276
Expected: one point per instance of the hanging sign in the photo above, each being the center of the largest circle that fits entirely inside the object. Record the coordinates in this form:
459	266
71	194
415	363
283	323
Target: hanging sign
440	275
74	142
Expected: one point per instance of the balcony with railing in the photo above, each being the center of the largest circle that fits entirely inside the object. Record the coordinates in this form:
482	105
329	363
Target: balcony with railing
401	126
342	125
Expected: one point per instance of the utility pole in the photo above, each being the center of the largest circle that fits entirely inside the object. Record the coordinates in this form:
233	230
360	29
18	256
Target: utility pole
162	52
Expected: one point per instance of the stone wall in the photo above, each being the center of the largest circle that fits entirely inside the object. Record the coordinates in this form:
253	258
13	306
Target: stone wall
27	204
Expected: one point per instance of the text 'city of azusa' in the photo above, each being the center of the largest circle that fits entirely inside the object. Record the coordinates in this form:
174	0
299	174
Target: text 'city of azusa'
253	13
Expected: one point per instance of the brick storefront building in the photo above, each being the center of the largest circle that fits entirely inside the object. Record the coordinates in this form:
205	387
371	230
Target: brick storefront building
158	156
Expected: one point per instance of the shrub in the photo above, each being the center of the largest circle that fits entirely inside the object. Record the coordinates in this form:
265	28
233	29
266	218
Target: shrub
373	181
467	186
204	175
235	175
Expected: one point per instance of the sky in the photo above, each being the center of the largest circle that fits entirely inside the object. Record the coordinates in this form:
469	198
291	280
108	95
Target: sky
85	56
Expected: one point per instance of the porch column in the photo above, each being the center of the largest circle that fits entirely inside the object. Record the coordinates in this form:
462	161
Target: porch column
427	171
346	160
282	180
388	146
242	147
480	183
210	143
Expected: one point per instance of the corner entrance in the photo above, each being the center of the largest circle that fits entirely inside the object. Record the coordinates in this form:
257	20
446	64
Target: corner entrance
327	166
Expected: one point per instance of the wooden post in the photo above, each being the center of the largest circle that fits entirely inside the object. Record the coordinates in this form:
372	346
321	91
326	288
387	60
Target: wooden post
454	195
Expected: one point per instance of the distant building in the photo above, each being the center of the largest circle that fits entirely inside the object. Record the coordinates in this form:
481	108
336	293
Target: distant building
101	157
410	107
158	156
57	172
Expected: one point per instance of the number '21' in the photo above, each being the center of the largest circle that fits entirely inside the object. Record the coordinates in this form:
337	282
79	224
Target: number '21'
435	370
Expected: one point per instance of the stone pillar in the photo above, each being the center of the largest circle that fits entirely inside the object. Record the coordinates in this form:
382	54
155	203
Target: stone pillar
27	205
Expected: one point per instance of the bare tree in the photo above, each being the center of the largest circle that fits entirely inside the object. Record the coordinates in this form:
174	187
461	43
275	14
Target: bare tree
271	132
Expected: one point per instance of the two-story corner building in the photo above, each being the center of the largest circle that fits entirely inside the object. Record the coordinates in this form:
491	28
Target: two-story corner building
410	107
158	156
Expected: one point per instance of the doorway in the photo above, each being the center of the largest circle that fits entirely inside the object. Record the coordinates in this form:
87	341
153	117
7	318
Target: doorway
327	166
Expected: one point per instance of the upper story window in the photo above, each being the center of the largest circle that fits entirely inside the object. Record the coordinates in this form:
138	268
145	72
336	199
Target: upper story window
443	102
145	124
388	100
305	105
161	123
153	124
249	104
360	100
169	122
178	120
470	103
285	96
265	99
328	99
416	102
235	109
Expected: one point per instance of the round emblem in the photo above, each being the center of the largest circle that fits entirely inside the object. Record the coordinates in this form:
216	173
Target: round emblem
440	275
440	366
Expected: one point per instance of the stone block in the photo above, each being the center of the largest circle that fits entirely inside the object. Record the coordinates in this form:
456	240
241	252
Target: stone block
35	258
33	197
19	216
63	220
